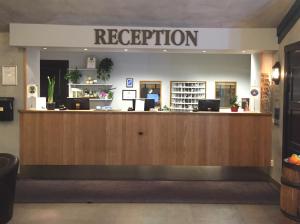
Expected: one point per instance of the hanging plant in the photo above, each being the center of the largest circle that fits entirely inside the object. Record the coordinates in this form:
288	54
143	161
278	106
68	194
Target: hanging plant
73	75
104	69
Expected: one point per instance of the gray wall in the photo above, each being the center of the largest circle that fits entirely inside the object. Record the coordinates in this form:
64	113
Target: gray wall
9	131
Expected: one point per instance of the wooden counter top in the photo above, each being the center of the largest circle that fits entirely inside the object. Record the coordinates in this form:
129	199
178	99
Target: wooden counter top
145	138
148	112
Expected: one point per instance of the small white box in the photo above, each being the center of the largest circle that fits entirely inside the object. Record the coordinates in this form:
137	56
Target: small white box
38	103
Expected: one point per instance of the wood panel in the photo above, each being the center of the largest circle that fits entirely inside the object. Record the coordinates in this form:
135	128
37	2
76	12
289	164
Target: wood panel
290	191
95	138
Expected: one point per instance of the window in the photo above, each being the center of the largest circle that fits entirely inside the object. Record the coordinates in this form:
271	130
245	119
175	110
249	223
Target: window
225	91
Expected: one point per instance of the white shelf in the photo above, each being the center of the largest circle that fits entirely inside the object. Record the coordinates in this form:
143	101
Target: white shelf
187	92
83	69
85	84
92	99
188	98
98	99
186	103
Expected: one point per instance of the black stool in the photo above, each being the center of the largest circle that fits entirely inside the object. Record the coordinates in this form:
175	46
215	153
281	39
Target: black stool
9	165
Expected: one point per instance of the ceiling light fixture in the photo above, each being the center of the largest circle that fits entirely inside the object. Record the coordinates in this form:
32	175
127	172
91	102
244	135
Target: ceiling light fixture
85	49
204	51
165	50
243	51
44	48
126	50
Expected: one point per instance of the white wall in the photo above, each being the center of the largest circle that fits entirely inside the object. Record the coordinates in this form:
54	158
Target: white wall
167	67
255	81
221	39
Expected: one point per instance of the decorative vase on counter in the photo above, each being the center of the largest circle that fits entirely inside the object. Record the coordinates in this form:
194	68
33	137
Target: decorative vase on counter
50	106
234	109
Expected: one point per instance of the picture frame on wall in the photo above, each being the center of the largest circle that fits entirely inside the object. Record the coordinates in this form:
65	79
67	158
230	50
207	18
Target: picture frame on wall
9	75
129	82
128	94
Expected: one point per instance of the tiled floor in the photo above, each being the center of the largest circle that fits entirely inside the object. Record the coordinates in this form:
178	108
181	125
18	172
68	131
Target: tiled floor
146	214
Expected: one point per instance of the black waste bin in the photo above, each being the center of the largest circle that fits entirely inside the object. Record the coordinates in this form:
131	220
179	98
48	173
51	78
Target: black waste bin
8	172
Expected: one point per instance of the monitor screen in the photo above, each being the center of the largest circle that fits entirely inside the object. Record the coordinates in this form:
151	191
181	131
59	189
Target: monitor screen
78	103
149	103
153	96
143	104
209	105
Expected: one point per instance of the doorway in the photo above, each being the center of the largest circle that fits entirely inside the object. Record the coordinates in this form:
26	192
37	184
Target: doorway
291	120
57	69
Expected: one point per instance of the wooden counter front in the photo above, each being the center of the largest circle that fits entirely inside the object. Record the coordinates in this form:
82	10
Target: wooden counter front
150	138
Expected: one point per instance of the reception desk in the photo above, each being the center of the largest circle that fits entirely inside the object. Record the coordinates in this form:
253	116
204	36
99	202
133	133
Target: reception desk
145	138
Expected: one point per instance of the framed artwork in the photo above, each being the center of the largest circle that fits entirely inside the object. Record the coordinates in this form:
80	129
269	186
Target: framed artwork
128	94
129	83
9	75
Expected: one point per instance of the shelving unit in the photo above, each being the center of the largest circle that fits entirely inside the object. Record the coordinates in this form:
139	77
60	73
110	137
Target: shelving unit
184	95
89	90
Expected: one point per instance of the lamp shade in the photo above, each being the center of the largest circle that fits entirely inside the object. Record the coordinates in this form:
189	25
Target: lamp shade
276	73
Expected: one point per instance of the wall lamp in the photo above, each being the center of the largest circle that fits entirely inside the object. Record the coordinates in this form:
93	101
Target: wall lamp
276	73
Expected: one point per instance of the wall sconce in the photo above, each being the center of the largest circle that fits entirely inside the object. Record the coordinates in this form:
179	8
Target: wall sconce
276	73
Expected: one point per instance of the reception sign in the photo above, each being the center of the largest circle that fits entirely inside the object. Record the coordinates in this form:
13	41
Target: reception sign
145	37
120	37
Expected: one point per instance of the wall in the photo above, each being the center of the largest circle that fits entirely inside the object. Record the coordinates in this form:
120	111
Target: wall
278	93
167	67
9	131
221	39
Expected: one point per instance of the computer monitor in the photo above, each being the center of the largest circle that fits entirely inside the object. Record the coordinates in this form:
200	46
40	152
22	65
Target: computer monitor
143	104
149	103
153	96
209	105
78	103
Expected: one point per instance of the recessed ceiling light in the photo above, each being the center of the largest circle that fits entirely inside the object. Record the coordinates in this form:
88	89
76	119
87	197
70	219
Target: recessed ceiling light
125	50
165	50
204	51
85	49
44	48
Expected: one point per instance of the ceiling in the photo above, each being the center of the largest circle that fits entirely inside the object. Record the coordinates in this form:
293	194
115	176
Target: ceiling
176	13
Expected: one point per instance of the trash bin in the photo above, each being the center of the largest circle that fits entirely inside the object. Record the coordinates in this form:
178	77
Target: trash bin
8	172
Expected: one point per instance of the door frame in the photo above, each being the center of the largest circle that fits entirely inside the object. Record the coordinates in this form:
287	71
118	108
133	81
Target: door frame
287	50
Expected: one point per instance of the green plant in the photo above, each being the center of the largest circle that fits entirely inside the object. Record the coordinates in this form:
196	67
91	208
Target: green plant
73	75
104	69
51	85
110	94
234	102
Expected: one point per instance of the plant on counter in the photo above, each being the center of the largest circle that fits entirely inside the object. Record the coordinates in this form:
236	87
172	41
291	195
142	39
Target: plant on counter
234	104
110	95
50	101
104	69
73	75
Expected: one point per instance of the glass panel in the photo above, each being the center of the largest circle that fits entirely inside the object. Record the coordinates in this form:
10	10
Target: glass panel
225	91
295	127
296	84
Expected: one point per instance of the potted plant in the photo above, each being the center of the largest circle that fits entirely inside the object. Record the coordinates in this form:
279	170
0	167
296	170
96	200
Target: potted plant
110	94
104	69
73	75
234	104
51	85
